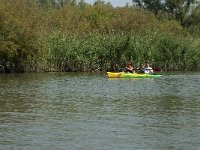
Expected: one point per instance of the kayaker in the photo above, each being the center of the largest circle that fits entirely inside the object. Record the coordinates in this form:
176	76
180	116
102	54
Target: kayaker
129	68
147	69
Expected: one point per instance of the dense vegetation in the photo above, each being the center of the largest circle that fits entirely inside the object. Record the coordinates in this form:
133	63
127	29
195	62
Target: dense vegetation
70	35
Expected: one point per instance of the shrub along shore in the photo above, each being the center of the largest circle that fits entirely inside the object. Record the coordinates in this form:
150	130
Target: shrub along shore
84	37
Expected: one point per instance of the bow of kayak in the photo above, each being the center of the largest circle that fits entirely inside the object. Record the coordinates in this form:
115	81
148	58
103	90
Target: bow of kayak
131	75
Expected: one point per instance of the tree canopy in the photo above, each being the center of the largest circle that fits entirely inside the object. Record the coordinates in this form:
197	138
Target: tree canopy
177	9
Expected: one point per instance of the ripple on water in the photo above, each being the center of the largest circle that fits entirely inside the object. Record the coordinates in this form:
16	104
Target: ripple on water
88	111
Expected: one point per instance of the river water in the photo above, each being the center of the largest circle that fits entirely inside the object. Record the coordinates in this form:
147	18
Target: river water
77	111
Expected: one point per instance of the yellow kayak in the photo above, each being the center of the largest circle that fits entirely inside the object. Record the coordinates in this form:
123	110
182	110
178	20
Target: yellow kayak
131	75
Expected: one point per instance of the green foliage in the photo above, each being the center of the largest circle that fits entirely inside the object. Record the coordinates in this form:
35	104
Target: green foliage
18	46
153	5
192	22
68	35
177	9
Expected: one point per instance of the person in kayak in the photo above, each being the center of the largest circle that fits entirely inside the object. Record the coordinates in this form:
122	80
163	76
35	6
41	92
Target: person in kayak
147	69
129	68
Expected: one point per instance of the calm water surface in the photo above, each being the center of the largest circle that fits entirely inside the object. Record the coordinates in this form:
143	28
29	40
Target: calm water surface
67	111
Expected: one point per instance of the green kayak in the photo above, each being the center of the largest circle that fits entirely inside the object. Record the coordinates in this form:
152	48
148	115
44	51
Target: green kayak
131	75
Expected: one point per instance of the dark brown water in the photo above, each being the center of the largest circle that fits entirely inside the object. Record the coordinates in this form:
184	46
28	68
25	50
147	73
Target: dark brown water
65	111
